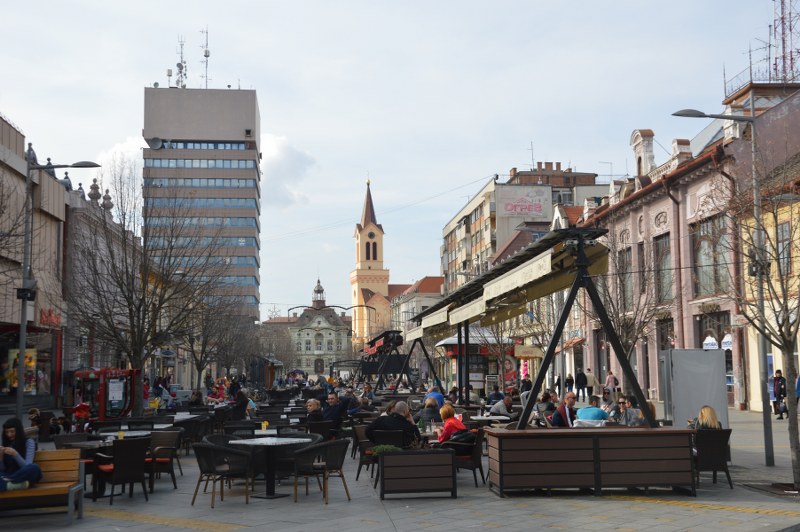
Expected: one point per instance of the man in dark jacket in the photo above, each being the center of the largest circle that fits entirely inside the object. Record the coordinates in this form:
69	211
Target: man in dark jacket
565	414
335	410
580	384
399	419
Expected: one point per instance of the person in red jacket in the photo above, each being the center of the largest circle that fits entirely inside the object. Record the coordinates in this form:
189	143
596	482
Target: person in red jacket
451	423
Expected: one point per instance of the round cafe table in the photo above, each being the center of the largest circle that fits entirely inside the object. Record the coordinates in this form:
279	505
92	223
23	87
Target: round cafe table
268	443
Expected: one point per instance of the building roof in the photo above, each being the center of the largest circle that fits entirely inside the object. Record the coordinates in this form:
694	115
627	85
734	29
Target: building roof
368	213
427	285
397	289
573	214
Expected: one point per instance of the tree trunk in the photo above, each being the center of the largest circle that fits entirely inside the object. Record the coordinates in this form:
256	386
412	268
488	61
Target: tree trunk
200	384
137	400
791	406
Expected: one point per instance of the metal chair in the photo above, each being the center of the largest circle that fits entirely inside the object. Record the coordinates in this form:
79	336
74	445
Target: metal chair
243	429
125	467
365	456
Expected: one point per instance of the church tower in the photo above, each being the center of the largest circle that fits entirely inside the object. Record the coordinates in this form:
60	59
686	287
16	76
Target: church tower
369	281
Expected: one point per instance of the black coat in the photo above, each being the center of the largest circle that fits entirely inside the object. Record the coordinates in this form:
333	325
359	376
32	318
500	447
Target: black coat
395	422
580	380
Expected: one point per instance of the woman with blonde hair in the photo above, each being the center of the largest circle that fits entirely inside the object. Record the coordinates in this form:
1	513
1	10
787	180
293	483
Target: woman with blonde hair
451	423
706	420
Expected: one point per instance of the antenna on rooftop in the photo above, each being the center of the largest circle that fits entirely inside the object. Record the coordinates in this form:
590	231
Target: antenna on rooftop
206	55
180	78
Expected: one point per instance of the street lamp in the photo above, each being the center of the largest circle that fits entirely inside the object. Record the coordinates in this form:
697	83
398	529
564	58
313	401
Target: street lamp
27	293
758	243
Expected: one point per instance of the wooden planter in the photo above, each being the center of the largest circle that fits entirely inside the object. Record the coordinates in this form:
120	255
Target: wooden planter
420	471
589	458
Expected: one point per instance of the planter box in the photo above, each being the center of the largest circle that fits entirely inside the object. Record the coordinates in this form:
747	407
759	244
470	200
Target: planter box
422	471
589	458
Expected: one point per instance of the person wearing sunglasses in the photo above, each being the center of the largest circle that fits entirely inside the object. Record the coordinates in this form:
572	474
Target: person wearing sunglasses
628	415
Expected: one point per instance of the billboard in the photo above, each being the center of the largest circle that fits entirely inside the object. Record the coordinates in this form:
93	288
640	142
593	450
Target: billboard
524	202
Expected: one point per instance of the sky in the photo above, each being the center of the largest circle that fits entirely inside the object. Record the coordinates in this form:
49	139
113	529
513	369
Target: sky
427	100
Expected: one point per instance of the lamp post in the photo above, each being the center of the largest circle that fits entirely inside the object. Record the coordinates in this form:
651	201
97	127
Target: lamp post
27	293
758	243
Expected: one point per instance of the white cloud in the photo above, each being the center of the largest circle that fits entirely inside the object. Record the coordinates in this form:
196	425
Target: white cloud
284	167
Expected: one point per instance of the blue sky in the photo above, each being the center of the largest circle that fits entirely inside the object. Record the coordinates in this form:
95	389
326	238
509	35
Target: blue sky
427	99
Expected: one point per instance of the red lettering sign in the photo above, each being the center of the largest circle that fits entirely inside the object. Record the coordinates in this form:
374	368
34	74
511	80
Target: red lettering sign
49	318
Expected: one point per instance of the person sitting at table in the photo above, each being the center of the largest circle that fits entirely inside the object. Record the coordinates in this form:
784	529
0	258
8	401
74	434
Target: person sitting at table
196	399
564	416
544	407
451	423
239	411
214	397
252	409
434	392
429	413
335	410
368	393
628	415
642	421
399	419
705	420
313	411
495	396
503	408
17	470
593	411
452	395
389	408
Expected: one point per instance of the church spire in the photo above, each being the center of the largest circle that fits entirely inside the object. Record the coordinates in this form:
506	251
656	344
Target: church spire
368	215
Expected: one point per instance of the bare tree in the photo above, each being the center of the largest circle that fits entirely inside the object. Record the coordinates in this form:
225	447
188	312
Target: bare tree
496	340
206	331
12	226
775	313
238	343
276	341
136	283
633	292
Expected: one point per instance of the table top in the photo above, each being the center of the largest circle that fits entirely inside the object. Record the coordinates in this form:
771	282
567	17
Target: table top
268	432
490	418
129	434
270	441
89	444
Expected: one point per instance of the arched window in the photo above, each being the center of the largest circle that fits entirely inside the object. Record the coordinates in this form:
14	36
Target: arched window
368	251
374	251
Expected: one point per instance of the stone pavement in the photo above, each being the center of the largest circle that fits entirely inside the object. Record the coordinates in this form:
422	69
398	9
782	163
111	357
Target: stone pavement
747	507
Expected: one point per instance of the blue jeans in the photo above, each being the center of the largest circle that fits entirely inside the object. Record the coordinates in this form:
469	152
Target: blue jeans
29	472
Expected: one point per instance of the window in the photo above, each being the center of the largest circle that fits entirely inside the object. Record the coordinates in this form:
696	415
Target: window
374	251
662	260
709	241
308	345
642	268
368	251
625	279
783	238
318	341
330	345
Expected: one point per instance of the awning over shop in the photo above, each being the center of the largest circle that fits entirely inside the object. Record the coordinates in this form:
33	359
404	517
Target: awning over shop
572	342
527	352
435	318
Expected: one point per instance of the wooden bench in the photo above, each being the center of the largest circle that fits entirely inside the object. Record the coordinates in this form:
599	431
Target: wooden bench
589	458
421	471
61	484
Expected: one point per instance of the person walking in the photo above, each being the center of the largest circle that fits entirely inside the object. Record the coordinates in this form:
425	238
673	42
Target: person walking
570	382
612	382
580	385
778	393
592	382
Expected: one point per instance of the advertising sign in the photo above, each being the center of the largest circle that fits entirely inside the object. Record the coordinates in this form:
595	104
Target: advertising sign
533	203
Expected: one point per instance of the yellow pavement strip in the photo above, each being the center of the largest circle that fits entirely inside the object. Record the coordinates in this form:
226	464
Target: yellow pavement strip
174	522
708	506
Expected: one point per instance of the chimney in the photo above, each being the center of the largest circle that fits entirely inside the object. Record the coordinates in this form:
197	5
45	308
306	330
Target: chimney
539	165
548	166
512	172
681	150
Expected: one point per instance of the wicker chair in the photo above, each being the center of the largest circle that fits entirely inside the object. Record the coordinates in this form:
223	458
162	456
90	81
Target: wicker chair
321	459
218	464
125	467
163	451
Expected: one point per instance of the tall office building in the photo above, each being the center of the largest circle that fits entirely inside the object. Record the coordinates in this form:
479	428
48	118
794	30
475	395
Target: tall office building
204	154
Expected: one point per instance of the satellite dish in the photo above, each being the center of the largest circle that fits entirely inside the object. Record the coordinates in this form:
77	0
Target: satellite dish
155	85
155	143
